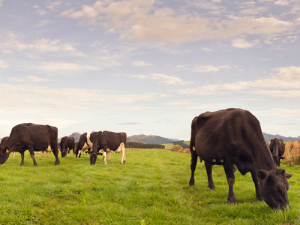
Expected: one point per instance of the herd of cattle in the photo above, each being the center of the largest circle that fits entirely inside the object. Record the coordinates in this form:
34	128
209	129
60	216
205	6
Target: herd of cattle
232	138
35	137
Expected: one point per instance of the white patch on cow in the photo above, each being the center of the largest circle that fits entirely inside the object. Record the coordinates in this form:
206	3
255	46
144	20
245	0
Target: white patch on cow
89	140
194	148
49	148
104	157
222	160
214	160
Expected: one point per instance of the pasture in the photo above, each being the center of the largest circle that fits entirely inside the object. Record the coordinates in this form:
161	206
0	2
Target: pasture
150	188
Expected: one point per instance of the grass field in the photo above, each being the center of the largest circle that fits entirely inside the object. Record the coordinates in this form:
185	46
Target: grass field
151	188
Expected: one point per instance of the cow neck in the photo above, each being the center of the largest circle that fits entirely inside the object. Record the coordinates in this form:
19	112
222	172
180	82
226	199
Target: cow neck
263	159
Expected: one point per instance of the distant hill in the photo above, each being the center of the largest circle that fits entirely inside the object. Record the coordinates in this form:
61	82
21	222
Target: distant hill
268	137
149	139
75	135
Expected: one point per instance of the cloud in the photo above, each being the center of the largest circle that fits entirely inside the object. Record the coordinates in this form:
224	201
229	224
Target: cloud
58	66
29	79
282	2
205	69
241	43
207	50
9	43
162	78
254	11
1	3
139	20
54	5
285	84
140	63
129	123
44	98
3	65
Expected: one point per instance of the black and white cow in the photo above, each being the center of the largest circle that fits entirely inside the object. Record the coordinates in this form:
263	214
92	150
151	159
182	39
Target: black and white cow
108	141
84	143
234	137
67	143
33	137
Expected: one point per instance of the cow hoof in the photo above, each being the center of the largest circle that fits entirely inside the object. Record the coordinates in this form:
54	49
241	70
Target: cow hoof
192	183
232	201
212	187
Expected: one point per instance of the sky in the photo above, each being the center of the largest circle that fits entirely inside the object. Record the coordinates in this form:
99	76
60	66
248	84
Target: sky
148	67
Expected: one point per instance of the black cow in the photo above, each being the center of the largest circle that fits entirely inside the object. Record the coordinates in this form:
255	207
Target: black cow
67	143
33	137
3	141
234	137
108	141
83	144
277	149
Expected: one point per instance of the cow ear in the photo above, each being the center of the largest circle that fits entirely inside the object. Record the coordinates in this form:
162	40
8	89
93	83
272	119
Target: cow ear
262	174
287	175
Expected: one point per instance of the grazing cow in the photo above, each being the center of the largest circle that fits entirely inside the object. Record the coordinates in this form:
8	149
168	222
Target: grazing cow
33	137
277	149
3	141
67	144
83	144
234	137
108	141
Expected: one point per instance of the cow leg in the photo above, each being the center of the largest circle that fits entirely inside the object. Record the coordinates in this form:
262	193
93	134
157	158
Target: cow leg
104	156
230	180
194	158
14	155
55	153
257	189
123	153
208	168
32	154
79	152
22	158
109	154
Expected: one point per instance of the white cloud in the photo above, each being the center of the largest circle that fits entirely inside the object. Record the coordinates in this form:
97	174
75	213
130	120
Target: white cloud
207	50
54	5
241	43
139	20
3	65
162	78
9	43
205	69
140	63
58	66
28	79
282	2
285	84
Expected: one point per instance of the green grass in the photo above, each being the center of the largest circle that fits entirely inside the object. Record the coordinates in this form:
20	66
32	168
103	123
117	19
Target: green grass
151	188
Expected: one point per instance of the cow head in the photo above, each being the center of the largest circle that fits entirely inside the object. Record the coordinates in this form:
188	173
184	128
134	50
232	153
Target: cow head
273	187
93	156
4	154
63	152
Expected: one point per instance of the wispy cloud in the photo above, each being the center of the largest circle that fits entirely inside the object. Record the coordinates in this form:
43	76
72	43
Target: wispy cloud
28	79
60	66
10	42
285	84
162	78
242	43
3	64
140	63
